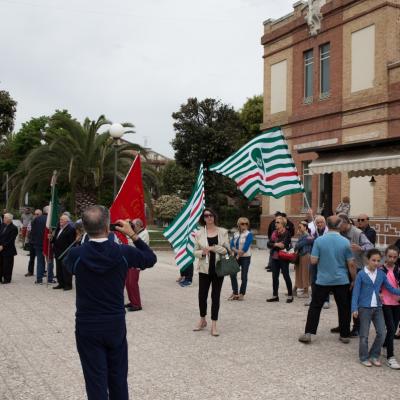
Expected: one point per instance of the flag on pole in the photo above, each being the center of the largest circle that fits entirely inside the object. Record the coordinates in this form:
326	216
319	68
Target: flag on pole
181	231
264	165
52	216
129	201
54	205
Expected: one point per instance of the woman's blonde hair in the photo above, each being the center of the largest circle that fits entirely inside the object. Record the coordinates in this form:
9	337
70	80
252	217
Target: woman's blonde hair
243	220
282	219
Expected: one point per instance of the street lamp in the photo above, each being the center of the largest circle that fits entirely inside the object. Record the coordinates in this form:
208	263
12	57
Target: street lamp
116	132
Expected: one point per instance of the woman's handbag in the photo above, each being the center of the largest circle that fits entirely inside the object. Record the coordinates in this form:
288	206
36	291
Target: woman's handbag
288	256
227	265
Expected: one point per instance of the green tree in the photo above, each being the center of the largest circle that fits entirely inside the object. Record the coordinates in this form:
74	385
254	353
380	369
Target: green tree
167	207
83	157
207	131
176	179
8	108
251	116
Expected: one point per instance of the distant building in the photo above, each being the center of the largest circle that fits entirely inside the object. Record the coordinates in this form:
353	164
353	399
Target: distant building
332	82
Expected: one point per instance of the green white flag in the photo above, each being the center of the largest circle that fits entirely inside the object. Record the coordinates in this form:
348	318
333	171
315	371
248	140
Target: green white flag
182	229
264	165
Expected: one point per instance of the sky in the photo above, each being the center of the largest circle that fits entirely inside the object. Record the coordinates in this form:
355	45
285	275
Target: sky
133	61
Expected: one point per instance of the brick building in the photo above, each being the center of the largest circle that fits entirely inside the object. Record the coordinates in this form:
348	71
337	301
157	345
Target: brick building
332	82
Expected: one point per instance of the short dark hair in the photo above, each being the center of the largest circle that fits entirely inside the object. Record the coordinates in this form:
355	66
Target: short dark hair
392	247
373	252
96	220
202	221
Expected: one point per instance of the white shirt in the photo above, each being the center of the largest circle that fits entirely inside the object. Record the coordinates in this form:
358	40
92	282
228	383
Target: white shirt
372	275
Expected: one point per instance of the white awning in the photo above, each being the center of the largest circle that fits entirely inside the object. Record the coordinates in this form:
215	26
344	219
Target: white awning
375	161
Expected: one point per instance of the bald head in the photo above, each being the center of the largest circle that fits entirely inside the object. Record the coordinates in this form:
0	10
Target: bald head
96	221
334	223
362	221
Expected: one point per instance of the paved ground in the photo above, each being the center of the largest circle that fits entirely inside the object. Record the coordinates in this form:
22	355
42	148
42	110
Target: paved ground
257	355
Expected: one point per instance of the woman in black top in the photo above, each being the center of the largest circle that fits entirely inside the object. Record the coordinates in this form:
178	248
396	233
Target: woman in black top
280	240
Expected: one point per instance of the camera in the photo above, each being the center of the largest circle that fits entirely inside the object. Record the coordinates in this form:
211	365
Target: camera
112	226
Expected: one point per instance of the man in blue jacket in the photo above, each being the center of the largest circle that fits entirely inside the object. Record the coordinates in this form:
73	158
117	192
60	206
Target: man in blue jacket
100	267
36	238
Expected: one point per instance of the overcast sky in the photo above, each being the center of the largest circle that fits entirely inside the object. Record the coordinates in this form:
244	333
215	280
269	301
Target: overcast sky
131	60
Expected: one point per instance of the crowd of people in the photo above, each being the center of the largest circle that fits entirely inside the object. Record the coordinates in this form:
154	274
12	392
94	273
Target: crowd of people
333	255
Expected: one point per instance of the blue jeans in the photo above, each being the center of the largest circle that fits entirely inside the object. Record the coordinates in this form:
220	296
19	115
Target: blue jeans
366	315
41	264
244	263
50	270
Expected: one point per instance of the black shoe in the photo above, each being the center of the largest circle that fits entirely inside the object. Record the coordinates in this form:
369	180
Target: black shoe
58	287
268	269
38	282
128	305
68	288
272	299
289	299
29	274
354	333
134	308
335	330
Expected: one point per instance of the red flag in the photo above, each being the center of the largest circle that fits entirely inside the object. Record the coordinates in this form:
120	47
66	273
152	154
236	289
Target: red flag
129	202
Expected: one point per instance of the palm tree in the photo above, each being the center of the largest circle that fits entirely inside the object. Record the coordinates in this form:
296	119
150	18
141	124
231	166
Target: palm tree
82	154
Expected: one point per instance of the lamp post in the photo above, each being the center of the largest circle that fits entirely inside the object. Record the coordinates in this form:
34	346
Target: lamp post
116	132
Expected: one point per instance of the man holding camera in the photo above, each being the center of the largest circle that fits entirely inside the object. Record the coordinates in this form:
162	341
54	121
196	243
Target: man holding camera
100	267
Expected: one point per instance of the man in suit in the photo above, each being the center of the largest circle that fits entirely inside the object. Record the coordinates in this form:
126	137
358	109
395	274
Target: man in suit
38	227
63	238
8	234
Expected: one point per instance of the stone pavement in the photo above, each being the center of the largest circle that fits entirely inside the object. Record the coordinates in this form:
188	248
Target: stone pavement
257	355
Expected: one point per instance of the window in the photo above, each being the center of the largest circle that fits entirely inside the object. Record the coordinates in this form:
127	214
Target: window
324	55
278	86
363	58
308	76
307	183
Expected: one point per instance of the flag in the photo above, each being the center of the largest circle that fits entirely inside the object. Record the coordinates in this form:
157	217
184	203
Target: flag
52	216
129	201
181	231
264	165
54	210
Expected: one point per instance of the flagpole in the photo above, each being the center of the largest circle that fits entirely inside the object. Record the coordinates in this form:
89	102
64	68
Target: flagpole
52	185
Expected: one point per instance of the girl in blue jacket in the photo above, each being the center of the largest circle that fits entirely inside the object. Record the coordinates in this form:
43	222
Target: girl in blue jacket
366	304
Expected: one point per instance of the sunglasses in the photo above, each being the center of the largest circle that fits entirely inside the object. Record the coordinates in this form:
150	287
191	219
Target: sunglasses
243	223
37	214
361	220
208	216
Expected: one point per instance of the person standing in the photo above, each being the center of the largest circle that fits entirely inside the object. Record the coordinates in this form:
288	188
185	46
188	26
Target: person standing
132	278
240	247
26	219
32	254
271	229
36	238
63	238
359	246
100	266
303	249
366	305
390	303
8	234
335	262
280	240
363	224
210	243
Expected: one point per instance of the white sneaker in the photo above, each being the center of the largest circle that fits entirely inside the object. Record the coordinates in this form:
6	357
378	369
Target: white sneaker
392	363
326	305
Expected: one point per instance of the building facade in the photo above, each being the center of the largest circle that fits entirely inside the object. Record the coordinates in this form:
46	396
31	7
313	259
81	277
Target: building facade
332	82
